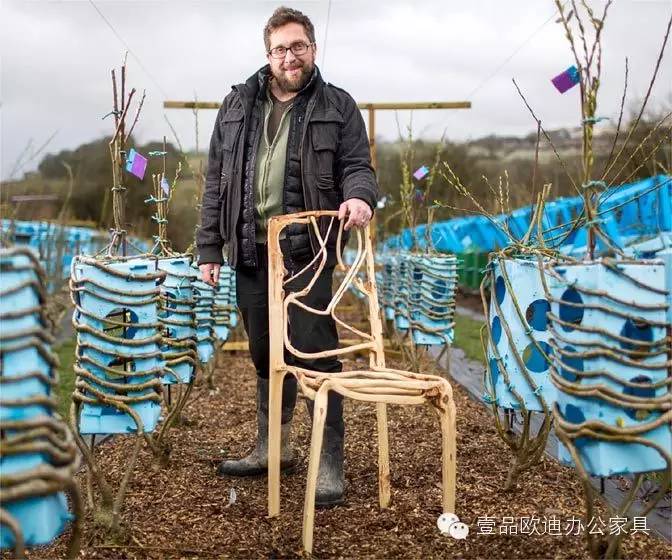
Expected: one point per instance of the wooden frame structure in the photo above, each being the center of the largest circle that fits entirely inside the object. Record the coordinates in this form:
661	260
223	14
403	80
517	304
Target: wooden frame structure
370	107
377	384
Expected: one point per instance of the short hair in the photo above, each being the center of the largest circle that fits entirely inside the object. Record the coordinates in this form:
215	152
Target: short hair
282	16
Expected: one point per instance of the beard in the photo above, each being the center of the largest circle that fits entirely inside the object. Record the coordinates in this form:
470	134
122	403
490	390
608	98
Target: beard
293	84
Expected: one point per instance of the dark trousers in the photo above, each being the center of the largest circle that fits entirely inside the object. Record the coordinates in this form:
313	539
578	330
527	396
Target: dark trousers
308	332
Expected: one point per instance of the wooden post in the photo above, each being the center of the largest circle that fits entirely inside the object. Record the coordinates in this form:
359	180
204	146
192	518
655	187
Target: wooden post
276	320
319	418
372	134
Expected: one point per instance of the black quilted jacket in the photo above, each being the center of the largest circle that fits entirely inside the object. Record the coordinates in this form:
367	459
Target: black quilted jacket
327	137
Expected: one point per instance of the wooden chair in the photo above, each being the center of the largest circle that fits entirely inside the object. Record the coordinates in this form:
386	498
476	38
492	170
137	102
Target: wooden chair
377	384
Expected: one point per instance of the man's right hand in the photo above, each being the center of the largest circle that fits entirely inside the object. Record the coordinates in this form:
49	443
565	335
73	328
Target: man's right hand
209	273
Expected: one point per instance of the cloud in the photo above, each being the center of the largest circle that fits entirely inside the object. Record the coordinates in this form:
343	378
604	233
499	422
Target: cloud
57	56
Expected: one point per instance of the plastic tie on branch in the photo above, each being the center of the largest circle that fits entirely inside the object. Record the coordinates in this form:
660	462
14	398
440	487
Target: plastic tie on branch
113	112
538	390
159	220
594	184
594	120
152	198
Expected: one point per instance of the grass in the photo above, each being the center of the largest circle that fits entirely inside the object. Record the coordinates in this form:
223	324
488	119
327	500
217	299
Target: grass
66	375
468	337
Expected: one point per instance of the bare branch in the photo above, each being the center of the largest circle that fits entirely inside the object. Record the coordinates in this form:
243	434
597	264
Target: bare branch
137	115
548	138
620	118
646	99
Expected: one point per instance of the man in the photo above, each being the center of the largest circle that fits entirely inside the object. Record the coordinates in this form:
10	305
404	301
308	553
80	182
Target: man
285	141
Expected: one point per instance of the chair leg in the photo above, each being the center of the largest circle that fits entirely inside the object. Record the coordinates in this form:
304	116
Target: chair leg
319	416
383	456
448	458
274	429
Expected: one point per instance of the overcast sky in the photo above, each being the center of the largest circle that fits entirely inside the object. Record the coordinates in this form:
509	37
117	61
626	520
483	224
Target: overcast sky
57	56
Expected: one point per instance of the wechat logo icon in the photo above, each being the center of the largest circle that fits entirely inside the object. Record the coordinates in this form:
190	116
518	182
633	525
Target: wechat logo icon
450	524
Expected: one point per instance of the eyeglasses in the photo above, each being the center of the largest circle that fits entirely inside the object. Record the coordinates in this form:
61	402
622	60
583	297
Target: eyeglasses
297	49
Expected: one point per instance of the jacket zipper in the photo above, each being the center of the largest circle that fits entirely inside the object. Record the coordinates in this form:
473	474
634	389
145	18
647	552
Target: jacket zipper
264	175
233	220
306	116
270	150
255	155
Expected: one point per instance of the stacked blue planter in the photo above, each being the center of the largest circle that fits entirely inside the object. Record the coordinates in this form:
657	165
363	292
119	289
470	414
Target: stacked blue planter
525	314
627	212
666	256
658	247
55	245
389	261
224	310
119	357
432	299
178	319
35	445
380	288
402	288
204	300
610	363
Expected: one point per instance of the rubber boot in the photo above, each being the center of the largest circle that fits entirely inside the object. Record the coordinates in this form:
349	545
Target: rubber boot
256	463
331	479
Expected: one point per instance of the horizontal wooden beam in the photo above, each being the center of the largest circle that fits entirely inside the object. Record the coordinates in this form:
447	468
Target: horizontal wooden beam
192	104
415	105
364	106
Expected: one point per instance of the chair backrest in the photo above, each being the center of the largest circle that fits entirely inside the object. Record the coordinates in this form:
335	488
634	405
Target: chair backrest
361	274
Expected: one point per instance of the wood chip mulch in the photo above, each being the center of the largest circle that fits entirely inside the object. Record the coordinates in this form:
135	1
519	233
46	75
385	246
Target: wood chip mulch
182	511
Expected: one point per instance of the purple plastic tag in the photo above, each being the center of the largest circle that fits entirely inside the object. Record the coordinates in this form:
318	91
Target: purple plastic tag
567	79
421	172
165	185
136	164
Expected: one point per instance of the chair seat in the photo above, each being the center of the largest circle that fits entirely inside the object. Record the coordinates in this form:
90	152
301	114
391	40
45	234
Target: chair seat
384	383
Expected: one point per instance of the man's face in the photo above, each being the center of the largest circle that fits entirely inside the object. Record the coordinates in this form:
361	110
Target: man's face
291	72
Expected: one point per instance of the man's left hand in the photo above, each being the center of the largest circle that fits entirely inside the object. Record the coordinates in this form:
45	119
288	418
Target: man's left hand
357	211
